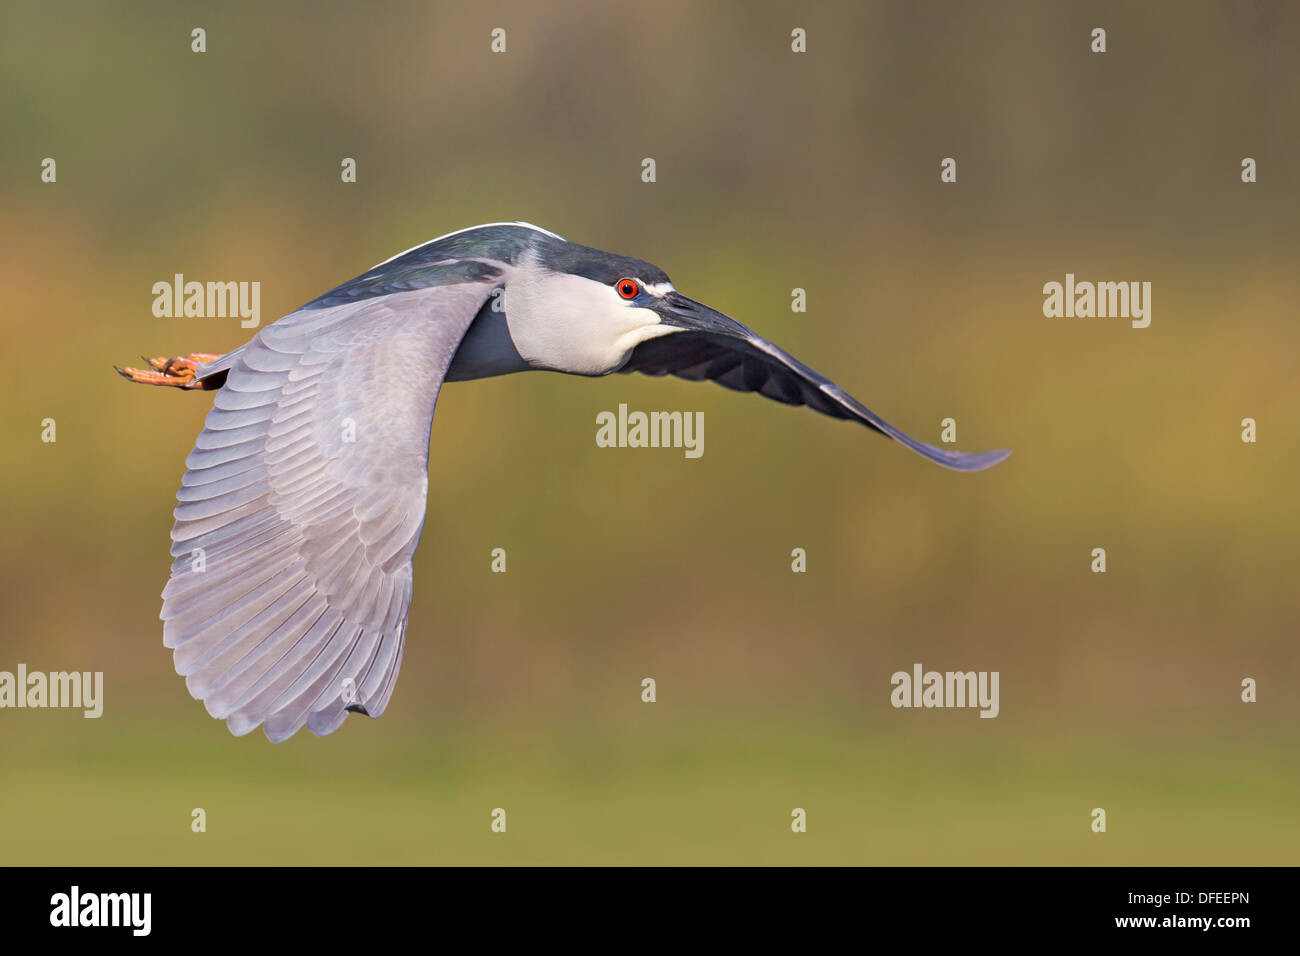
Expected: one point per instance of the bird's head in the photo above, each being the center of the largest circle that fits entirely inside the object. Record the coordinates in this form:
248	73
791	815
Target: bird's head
574	309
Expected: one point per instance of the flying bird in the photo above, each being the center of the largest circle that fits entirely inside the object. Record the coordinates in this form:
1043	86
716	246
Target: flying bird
304	496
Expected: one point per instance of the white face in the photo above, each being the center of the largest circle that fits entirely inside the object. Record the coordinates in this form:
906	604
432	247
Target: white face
570	324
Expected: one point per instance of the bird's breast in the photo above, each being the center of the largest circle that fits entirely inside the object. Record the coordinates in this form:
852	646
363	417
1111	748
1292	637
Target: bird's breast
487	348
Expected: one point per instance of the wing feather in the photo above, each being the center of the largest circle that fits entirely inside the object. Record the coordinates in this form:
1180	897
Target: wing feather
738	359
301	509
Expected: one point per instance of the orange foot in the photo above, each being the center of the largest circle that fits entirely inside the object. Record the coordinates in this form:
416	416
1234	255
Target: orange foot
177	372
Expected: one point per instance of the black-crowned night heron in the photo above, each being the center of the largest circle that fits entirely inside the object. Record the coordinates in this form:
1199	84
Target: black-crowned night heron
305	493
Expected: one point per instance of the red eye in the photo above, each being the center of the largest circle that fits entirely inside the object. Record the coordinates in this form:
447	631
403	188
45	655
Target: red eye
628	288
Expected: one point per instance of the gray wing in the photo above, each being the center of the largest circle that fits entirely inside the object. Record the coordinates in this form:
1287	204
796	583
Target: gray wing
302	506
738	359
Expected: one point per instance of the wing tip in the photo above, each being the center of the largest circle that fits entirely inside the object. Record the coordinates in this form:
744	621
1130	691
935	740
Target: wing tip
949	458
971	460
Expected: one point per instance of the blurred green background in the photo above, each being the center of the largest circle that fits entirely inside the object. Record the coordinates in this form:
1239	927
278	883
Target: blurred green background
775	170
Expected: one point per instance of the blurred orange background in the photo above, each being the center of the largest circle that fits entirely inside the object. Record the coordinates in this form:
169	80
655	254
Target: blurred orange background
775	170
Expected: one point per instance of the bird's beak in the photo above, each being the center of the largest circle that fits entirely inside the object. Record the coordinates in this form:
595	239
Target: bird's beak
677	310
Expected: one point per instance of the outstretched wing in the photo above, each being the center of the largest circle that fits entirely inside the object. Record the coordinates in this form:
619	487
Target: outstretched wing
302	506
734	357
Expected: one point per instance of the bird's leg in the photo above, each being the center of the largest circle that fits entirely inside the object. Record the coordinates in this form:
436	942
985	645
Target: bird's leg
177	372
